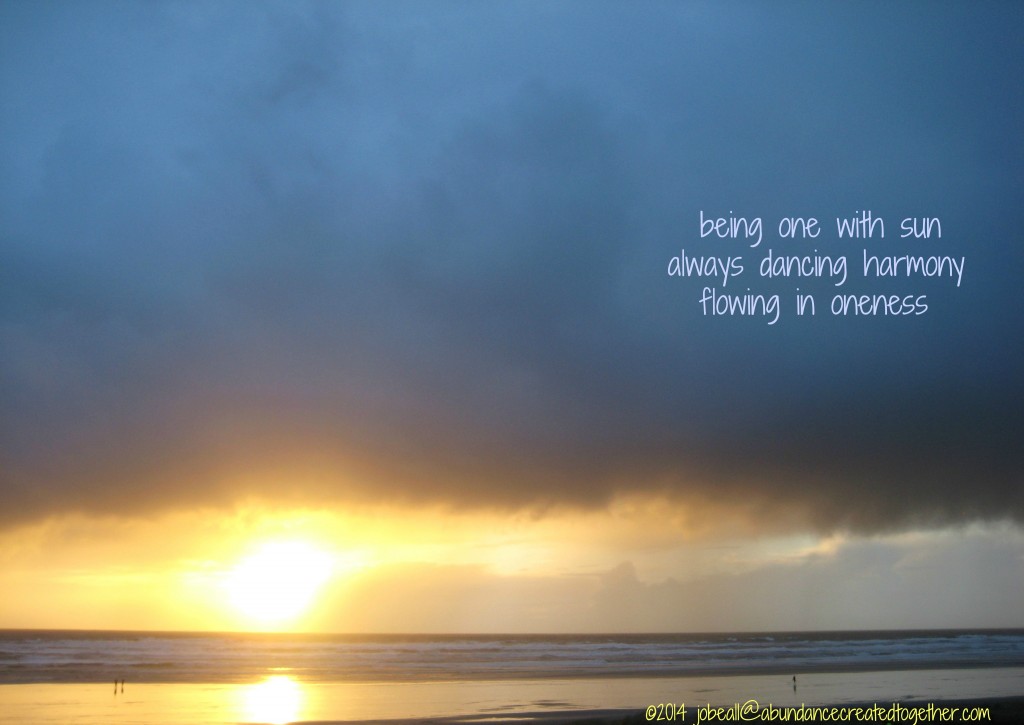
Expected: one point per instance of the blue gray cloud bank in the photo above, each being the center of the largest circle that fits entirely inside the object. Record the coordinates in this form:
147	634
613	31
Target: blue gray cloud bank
417	252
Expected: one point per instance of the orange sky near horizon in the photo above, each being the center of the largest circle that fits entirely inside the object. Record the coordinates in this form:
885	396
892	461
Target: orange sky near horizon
394	570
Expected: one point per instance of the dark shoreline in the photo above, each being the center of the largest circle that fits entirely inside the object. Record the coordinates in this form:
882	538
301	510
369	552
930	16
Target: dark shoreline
1002	710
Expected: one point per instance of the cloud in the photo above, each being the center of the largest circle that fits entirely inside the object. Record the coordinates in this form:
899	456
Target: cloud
861	584
345	258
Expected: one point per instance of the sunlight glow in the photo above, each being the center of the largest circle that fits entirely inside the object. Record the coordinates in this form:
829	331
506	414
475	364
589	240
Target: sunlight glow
277	582
276	701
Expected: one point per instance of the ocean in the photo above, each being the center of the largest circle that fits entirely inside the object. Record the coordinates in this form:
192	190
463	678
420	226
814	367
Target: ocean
85	656
67	676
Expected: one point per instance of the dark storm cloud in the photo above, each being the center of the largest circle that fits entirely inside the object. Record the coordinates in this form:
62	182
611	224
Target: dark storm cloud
418	253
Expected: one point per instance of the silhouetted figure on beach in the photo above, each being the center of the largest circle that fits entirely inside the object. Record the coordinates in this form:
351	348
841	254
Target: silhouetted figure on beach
115	687
122	686
794	683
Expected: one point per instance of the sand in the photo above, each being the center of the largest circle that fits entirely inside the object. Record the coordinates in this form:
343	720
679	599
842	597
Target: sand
481	703
1001	710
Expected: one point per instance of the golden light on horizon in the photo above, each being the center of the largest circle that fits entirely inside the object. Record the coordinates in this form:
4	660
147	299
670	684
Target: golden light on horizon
262	569
278	582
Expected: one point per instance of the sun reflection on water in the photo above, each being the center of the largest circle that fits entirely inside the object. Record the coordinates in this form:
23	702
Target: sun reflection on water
275	701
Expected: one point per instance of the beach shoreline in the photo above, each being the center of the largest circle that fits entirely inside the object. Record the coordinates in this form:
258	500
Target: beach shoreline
1002	710
150	678
627	701
60	678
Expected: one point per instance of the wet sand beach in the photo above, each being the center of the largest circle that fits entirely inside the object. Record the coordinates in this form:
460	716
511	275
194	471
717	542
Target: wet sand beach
279	700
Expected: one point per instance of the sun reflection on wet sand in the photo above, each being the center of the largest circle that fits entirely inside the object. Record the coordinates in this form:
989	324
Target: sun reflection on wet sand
276	700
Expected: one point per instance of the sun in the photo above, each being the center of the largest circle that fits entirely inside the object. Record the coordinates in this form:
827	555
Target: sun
277	582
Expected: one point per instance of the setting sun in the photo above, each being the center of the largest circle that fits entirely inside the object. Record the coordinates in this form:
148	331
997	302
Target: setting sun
278	581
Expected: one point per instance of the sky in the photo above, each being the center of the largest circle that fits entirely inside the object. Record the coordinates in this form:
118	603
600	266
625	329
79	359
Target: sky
390	282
